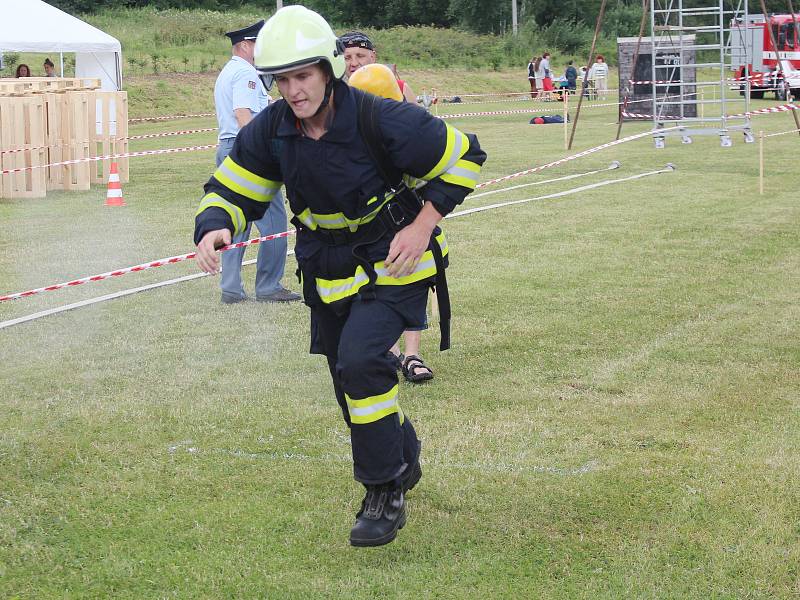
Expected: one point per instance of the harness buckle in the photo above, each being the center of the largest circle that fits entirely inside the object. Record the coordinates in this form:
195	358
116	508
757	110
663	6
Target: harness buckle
396	213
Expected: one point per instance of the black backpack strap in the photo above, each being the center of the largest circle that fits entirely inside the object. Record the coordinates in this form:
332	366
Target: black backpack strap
369	128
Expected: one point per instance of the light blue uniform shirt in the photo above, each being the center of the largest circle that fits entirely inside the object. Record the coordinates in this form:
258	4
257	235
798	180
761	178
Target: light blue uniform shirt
238	86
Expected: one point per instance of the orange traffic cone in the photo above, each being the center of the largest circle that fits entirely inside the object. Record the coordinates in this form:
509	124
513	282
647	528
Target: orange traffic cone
114	194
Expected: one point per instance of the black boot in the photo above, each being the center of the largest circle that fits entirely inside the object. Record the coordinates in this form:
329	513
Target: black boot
382	514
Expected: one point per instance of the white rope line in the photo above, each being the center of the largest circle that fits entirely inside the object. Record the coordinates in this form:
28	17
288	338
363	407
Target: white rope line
669	168
128	292
612	166
782	133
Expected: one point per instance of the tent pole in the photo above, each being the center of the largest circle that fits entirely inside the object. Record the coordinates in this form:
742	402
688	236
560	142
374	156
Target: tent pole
61	60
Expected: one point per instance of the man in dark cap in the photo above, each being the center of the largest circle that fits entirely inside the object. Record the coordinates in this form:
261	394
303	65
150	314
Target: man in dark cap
238	96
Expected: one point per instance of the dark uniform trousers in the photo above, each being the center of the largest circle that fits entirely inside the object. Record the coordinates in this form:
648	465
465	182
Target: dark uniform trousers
355	337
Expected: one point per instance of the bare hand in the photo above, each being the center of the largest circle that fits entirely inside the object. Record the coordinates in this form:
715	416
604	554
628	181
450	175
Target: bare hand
410	242
207	258
406	249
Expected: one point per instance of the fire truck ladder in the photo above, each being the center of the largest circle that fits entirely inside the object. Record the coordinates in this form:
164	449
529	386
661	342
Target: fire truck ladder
688	41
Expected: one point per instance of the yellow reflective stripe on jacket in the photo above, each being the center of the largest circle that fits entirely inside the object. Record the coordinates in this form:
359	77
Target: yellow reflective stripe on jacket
306	219
339	220
457	146
243	182
333	290
464	173
373	408
235	213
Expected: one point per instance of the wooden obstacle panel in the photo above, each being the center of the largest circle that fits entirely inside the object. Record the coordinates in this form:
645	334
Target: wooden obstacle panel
63	126
68	139
108	123
22	130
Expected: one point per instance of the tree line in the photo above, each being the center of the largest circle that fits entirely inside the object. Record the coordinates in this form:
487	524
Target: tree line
622	17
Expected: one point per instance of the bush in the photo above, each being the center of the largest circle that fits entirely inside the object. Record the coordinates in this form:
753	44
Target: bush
11	59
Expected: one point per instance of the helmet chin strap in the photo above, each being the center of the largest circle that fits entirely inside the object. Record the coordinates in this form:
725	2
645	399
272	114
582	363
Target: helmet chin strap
328	89
327	98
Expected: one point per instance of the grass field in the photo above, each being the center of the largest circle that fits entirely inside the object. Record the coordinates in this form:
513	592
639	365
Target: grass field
618	417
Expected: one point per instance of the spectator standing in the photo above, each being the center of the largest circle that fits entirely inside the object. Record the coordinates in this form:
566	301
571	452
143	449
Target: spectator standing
547	80
598	75
571	75
49	68
238	96
23	70
532	76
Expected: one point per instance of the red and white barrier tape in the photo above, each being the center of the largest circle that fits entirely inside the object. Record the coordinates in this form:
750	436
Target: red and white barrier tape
143	267
760	111
148	136
122	139
493	112
771	109
442	95
757	76
170	118
630	115
561	161
175	259
109	157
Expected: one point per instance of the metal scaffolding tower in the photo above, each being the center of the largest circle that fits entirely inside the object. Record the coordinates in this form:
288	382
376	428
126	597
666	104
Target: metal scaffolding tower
688	41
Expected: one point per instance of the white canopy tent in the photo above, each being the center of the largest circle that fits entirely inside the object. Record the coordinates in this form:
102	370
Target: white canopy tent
35	26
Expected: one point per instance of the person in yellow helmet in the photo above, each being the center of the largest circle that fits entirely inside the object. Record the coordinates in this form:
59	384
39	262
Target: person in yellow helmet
368	248
377	79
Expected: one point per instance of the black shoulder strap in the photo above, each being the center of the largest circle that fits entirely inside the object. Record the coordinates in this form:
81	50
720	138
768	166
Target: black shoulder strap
369	128
277	114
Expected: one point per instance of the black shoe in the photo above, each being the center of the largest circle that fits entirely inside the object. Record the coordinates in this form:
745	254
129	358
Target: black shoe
282	295
412	476
382	514
232	298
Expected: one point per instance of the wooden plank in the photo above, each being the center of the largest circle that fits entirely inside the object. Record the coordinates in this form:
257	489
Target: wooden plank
42	85
109	117
22	127
122	135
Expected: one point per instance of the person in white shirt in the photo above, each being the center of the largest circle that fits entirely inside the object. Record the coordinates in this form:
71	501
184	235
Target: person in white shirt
598	74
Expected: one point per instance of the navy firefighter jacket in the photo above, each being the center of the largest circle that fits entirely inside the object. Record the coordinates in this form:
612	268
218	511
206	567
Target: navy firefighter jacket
332	183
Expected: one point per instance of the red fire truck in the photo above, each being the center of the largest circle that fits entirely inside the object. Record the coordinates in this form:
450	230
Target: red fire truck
755	57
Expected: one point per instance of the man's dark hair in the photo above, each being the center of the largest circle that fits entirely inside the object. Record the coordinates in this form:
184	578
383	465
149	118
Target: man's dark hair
48	62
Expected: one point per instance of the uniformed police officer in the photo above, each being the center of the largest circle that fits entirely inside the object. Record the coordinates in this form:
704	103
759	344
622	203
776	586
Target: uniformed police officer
368	252
238	96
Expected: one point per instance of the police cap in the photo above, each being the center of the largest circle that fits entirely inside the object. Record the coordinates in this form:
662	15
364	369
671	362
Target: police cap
247	33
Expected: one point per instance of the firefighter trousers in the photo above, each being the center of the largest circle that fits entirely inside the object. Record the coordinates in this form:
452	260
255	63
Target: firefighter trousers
356	343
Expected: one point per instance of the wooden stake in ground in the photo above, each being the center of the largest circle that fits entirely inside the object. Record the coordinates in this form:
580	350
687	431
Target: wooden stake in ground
588	66
566	118
761	163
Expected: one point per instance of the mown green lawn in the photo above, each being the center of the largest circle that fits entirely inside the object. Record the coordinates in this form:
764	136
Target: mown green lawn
618	416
